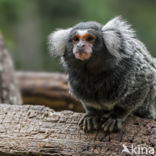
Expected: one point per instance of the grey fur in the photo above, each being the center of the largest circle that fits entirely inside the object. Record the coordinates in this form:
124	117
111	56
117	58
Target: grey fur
57	41
123	84
112	33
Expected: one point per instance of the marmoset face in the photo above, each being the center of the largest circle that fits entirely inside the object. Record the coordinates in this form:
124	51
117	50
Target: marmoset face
84	40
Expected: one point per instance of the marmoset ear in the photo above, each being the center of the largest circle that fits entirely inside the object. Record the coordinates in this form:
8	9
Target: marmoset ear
57	41
116	34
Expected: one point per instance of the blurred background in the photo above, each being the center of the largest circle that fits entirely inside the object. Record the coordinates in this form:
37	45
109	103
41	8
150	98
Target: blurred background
26	24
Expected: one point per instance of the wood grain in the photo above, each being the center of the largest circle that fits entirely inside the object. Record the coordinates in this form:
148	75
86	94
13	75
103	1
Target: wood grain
38	130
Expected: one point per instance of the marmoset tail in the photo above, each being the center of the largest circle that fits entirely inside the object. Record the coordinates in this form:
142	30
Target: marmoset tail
110	72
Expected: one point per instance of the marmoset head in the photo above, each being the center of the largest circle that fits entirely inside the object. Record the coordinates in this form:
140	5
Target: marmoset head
93	41
84	39
80	41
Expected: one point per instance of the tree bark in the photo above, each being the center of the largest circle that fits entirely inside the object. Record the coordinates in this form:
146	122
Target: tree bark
37	130
49	89
9	92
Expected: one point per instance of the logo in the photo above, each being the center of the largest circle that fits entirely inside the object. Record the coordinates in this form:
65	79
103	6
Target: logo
138	150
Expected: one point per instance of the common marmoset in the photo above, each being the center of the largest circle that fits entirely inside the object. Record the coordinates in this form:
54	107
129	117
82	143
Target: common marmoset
109	71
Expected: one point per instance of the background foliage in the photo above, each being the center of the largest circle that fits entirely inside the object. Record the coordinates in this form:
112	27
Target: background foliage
25	24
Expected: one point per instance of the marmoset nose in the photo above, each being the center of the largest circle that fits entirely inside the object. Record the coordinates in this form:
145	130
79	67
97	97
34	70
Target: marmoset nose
80	46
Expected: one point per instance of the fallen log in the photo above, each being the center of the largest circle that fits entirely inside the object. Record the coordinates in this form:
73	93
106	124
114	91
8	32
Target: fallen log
37	130
49	89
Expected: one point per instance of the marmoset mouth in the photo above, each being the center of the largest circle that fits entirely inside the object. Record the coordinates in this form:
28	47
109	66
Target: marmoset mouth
82	55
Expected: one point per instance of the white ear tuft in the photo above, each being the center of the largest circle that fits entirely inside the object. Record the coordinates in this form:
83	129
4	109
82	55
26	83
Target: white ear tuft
118	23
115	33
57	41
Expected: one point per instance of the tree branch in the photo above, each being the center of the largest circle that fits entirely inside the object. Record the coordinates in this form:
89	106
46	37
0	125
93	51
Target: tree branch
9	92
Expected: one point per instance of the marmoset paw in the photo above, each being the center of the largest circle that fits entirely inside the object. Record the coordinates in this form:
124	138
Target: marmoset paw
111	125
89	122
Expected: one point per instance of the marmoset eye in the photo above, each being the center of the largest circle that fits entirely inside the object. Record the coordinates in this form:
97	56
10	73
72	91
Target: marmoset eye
75	39
90	38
